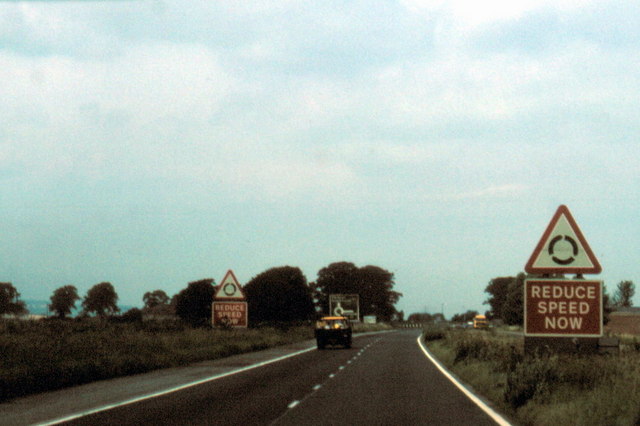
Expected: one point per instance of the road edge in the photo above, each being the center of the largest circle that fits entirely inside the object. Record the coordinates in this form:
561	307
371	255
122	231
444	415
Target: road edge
498	418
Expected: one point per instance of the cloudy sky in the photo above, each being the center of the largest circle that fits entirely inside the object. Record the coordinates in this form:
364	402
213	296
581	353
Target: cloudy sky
153	143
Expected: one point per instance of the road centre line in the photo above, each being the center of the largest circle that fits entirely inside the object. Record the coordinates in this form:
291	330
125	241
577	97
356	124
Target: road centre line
484	407
171	390
293	404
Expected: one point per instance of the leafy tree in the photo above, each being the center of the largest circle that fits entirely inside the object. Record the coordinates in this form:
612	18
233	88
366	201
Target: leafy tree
279	294
10	302
373	284
193	304
465	317
155	298
498	289
64	300
606	305
623	296
101	299
420	317
513	309
157	302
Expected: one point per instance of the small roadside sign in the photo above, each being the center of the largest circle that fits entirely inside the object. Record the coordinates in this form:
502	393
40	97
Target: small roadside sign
563	249
230	314
229	288
345	305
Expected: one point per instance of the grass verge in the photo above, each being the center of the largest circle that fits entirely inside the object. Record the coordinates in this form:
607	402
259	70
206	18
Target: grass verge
543	390
47	355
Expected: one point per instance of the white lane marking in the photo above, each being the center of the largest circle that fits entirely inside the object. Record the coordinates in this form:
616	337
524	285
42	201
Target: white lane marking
316	387
484	407
341	367
293	404
171	390
331	376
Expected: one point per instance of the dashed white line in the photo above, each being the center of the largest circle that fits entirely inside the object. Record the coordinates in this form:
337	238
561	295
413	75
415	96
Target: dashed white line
293	404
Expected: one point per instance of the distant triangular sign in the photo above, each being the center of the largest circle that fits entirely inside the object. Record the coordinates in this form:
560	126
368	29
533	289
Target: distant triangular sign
563	249
229	288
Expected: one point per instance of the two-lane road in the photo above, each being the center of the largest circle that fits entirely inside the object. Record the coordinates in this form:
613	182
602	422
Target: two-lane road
384	379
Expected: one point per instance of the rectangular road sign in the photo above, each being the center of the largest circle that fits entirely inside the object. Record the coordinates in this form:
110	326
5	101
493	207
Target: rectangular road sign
559	308
230	314
347	305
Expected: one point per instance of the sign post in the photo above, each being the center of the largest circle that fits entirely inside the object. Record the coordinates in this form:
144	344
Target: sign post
229	308
559	313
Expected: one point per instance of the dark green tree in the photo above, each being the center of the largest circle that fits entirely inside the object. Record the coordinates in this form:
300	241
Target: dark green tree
157	302
63	300
606	305
498	288
155	298
101	299
420	317
465	317
622	298
10	302
513	309
279	295
193	304
373	284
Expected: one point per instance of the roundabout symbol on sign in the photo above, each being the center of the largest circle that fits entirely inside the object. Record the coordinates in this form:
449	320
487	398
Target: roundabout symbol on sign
571	241
229	289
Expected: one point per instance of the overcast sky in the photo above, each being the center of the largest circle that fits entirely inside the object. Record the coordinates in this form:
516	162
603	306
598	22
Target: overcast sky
154	143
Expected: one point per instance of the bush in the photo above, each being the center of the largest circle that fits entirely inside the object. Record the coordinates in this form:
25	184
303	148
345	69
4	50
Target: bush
527	379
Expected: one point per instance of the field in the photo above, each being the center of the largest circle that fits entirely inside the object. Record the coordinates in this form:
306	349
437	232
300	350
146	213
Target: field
543	390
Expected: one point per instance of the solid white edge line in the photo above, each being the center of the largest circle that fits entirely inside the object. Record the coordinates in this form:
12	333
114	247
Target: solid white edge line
170	390
484	407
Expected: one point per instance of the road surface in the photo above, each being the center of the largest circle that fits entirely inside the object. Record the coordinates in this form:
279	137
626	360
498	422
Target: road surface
385	379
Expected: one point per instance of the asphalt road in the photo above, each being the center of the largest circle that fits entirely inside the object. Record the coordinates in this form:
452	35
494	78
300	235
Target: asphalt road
385	379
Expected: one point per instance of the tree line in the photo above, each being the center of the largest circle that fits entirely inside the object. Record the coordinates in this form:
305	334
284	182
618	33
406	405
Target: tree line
280	294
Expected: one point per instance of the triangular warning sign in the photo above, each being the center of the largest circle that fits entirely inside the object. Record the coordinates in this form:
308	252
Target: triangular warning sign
563	249
229	288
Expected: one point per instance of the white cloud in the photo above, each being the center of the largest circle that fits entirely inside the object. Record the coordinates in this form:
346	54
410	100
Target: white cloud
472	13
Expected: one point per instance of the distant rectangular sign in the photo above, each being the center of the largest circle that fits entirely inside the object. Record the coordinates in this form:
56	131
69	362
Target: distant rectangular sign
347	305
557	308
230	314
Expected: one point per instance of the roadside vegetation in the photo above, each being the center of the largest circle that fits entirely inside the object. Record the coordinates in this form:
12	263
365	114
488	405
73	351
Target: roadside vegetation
45	355
600	389
101	343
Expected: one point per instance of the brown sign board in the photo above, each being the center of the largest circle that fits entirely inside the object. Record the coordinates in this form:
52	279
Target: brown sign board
230	314
562	308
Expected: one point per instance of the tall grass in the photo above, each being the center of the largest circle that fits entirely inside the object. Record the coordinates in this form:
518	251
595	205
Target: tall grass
47	355
545	390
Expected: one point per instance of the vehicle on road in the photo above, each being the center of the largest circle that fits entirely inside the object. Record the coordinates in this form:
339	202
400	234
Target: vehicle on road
480	321
332	330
